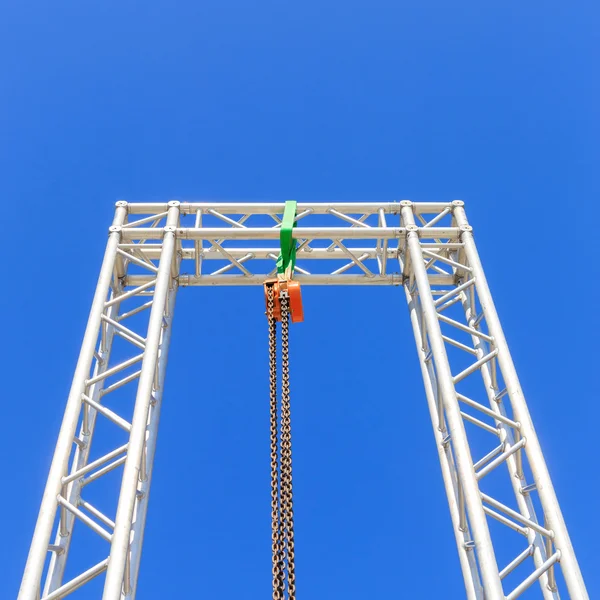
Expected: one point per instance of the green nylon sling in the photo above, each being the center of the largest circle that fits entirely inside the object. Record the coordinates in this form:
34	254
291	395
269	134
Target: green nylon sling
286	260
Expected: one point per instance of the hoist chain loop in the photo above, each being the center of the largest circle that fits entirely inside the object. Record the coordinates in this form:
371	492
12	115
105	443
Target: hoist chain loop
287	510
282	511
277	533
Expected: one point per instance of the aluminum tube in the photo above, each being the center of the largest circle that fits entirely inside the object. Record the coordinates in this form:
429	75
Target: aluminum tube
109	414
259	279
141	508
456	344
502	458
99	515
474	367
138	261
517	516
117	384
237	208
454	292
85	519
272	233
34	567
481	535
527	583
465	328
479	423
489	456
548	499
103	471
135	311
130	293
265	253
127	496
96	463
344	217
505	521
197	255
116	369
128	332
232	222
488	411
149	219
466	557
77	582
513	564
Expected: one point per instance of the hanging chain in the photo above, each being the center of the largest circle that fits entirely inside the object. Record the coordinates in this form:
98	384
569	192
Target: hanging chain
277	533
287	509
282	512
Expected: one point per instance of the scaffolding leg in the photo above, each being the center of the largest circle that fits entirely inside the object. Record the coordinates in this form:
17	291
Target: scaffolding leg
101	373
499	411
492	584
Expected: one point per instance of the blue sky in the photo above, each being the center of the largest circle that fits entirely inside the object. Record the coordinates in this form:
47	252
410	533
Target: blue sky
495	104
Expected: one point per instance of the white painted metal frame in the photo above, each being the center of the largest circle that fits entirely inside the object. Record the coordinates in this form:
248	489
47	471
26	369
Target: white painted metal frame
502	503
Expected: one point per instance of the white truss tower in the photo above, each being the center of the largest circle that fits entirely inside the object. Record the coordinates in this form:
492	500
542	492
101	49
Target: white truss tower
508	525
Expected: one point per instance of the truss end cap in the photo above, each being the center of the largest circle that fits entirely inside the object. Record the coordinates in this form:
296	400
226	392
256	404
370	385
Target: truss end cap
406	203
411	229
456	203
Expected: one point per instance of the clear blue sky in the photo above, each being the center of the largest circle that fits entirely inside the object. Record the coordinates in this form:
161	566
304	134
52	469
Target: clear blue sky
493	103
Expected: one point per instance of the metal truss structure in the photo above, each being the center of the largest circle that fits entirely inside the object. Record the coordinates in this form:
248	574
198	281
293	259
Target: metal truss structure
508	525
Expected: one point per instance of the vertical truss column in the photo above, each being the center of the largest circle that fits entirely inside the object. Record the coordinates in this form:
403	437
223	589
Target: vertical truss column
98	395
118	575
143	485
455	499
31	582
458	334
72	491
553	519
509	437
468	491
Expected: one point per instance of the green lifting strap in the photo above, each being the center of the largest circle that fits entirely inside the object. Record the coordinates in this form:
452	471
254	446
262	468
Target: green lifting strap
286	260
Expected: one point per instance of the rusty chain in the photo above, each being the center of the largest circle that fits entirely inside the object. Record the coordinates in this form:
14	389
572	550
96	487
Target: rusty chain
276	534
287	509
282	513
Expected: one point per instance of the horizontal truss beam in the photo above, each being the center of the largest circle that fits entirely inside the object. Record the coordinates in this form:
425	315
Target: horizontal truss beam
298	233
265	208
